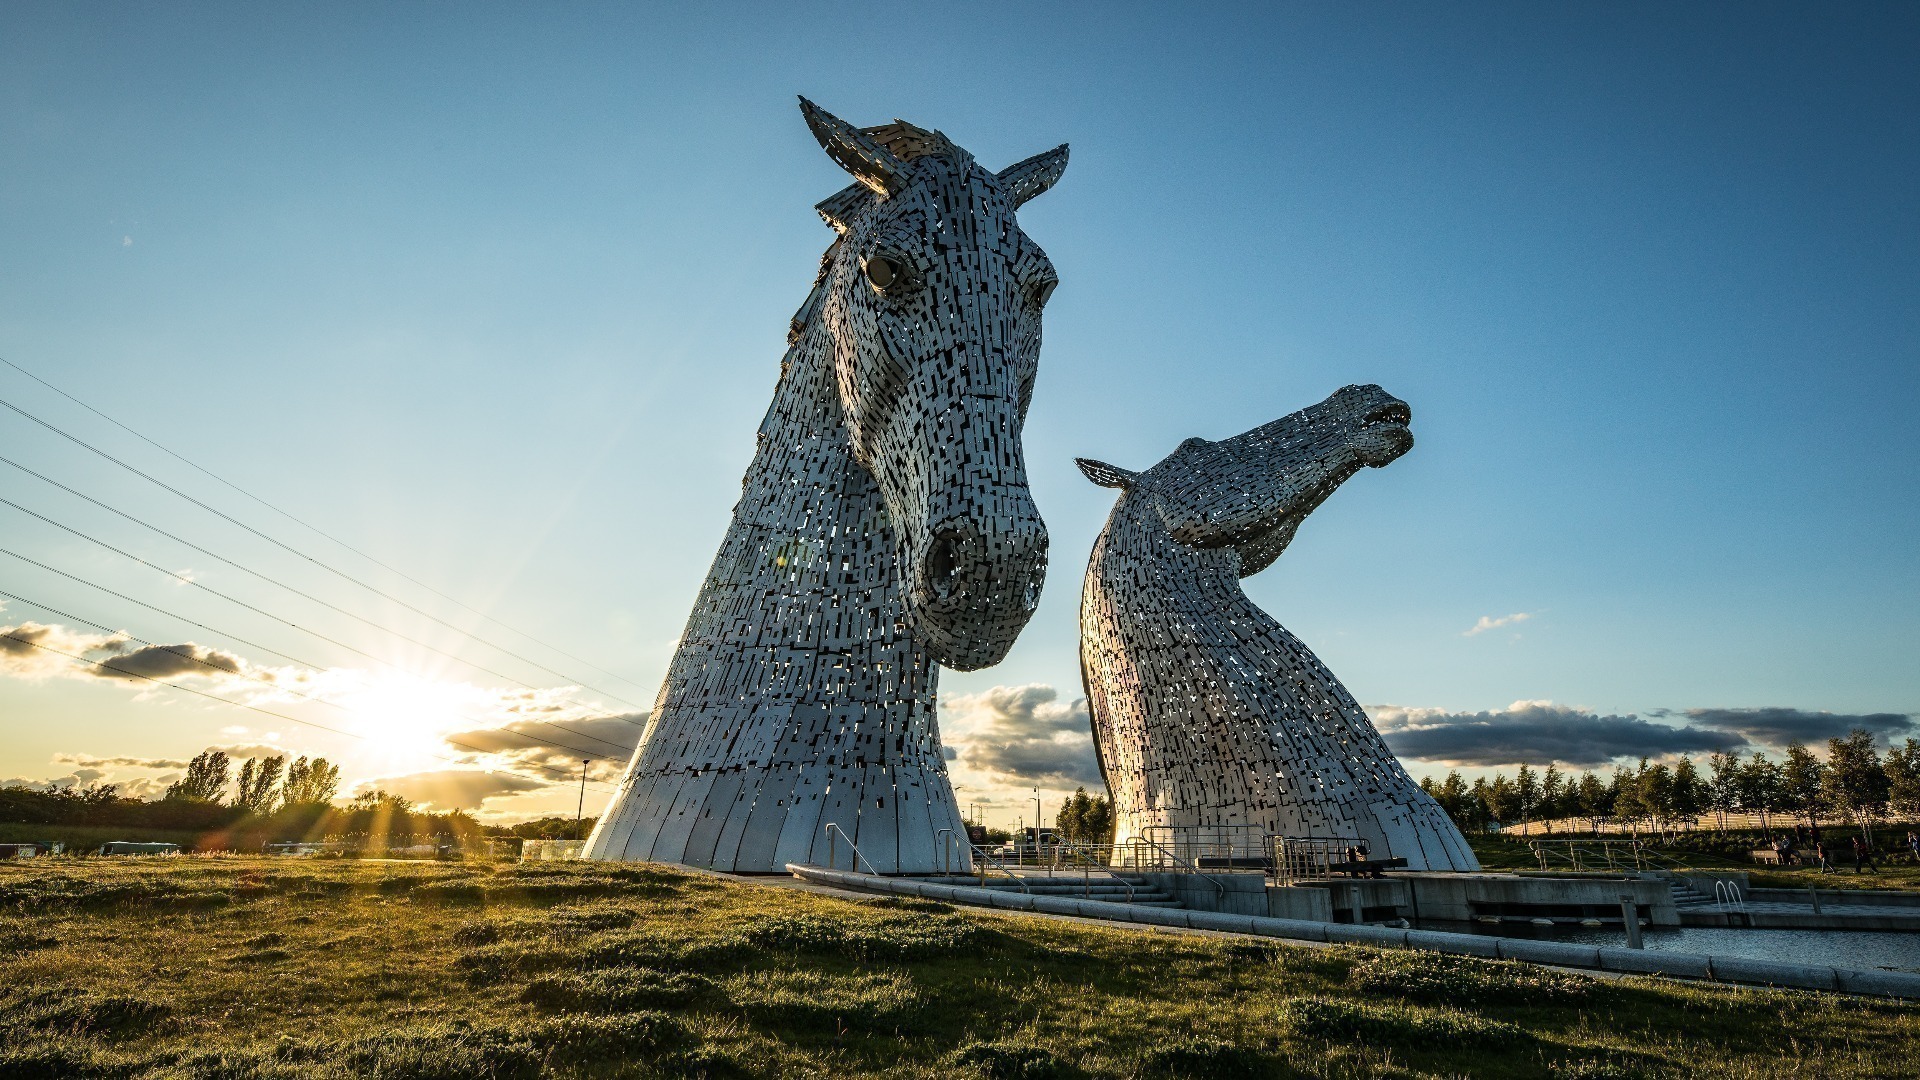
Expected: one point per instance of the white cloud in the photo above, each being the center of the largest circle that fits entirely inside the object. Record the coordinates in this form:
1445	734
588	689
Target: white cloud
1495	622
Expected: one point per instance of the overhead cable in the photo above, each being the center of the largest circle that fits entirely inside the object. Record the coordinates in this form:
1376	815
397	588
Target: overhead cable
269	712
343	575
190	581
308	664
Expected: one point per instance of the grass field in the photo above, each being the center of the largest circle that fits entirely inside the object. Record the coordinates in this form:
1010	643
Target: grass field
241	968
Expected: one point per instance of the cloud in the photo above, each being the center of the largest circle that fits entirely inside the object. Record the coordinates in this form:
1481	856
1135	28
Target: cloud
1536	733
88	761
1024	735
1492	622
1776	726
452	789
558	744
171	661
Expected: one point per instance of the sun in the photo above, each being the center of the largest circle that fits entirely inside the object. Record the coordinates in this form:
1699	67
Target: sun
405	719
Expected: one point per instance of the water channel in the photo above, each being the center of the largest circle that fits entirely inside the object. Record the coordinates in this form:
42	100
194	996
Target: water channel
1863	950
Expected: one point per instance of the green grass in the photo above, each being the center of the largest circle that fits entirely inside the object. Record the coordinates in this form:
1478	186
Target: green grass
247	969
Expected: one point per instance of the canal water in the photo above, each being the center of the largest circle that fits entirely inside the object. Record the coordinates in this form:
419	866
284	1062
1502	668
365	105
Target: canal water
1864	950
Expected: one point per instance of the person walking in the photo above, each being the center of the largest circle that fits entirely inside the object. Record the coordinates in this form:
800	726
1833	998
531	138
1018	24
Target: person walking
1826	859
1913	844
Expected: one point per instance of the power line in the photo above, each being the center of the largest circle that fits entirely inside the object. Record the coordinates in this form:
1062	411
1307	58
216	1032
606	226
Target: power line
311	527
265	712
189	581
308	664
77	441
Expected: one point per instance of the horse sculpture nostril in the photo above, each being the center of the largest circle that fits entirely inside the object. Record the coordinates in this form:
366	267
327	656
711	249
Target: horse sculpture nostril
943	565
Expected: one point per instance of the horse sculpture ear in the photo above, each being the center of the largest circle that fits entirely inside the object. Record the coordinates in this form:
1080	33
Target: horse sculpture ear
1025	179
1106	475
868	161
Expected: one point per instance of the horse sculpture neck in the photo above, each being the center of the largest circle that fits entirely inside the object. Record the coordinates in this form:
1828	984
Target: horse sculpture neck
798	695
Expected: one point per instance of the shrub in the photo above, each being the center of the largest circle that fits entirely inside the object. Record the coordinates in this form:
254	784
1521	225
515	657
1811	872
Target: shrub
1386	1025
813	1003
1008	1061
476	933
1207	1059
616	990
1466	980
115	1016
902	936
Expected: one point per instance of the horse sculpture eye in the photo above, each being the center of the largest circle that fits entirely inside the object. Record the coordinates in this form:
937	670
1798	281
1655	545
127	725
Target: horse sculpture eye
882	272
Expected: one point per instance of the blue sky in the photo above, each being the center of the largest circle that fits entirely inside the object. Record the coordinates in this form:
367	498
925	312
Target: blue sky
498	294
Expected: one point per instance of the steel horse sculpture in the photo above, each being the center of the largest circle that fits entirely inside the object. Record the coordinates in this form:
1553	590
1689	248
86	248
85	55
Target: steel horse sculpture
1207	712
885	528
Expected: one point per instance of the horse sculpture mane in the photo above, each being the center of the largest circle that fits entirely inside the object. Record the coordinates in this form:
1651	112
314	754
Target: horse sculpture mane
884	528
1206	712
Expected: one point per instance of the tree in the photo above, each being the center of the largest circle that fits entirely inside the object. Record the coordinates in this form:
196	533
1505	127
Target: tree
313	782
205	781
1553	796
1854	784
1688	797
1502	800
1723	786
1592	800
1629	797
1481	806
1800	783
258	777
1526	793
1902	765
1762	789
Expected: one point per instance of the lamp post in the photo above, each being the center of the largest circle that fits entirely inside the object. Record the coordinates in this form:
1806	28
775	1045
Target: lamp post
579	809
1039	822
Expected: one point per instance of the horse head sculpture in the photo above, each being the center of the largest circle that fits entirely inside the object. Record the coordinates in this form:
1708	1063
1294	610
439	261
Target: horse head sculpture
931	301
1251	492
884	529
1210	720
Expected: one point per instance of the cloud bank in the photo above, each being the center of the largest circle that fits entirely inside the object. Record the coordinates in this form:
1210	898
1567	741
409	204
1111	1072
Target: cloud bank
1537	733
1022	736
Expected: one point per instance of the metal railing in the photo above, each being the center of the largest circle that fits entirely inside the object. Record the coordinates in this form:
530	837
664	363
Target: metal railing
1617	856
1307	858
1143	854
1216	846
1727	894
833	829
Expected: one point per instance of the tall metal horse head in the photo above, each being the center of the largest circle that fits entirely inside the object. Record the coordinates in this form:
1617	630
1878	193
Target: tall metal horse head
884	529
931	301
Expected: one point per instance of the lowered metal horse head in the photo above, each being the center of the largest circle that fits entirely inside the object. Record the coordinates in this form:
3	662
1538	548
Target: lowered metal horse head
931	301
1251	492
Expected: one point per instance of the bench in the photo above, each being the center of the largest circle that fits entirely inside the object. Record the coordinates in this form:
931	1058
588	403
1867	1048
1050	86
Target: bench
1365	867
1765	856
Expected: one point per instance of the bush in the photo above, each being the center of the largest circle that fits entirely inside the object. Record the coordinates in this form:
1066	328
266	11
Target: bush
616	990
815	1003
1207	1059
1007	1061
1384	1025
902	936
115	1016
1466	980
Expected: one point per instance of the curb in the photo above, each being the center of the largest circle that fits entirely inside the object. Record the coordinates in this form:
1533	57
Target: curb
1727	969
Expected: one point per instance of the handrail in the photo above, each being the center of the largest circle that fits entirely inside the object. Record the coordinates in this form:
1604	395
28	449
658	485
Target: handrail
1087	862
1177	860
1724	889
834	827
980	853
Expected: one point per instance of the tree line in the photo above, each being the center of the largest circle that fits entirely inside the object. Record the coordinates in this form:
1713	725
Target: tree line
270	800
1853	784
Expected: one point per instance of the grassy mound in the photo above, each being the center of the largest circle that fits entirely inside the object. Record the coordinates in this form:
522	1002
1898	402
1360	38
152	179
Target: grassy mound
312	970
